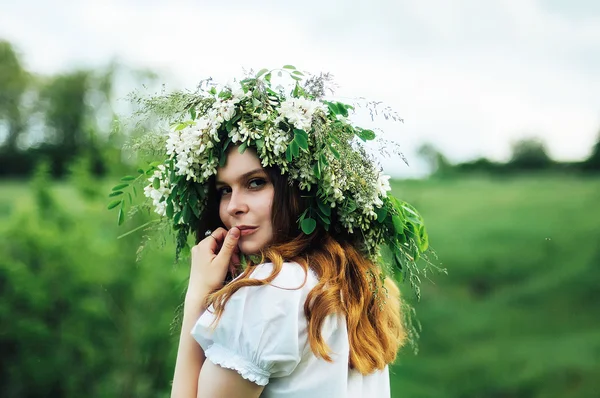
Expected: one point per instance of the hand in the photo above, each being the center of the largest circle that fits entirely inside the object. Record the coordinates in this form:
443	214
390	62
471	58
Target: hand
211	259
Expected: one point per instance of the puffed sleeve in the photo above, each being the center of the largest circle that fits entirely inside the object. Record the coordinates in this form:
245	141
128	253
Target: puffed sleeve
262	332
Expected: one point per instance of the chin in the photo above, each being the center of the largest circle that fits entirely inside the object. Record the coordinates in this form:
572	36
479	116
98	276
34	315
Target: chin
251	246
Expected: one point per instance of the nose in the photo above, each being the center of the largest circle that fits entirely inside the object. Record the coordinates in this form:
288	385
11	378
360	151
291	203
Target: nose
237	203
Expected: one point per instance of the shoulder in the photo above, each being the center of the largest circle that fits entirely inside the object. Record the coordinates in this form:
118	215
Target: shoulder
261	333
291	276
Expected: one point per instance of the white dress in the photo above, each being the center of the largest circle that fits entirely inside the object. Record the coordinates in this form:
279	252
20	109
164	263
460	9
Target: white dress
263	336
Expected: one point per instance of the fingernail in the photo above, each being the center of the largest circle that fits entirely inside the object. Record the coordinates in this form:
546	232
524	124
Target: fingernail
235	232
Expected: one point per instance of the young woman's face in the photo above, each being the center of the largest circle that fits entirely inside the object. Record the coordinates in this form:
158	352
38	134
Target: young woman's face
246	199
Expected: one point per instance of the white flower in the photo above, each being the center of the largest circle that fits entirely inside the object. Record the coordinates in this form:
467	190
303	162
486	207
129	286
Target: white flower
158	195
299	111
383	184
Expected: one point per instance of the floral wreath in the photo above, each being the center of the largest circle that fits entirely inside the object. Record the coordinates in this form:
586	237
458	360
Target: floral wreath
310	139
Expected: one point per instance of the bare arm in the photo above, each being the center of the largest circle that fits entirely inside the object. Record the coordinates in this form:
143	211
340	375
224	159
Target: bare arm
211	258
190	356
218	382
197	378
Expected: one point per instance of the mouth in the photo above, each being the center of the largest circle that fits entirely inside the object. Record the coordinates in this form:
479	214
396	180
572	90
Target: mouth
247	230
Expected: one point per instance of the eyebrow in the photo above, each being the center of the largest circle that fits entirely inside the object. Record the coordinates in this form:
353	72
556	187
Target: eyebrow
243	176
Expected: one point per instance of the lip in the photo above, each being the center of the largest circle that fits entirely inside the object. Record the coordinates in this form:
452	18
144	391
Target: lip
247	230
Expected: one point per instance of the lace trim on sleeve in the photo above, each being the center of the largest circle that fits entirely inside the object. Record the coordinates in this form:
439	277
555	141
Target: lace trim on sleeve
226	358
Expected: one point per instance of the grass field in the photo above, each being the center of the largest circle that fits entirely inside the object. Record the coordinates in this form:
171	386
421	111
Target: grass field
517	314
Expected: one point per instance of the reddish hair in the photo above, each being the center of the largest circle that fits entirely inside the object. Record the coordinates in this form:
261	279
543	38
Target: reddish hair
349	283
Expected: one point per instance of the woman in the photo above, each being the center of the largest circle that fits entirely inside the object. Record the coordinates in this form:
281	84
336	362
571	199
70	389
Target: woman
262	335
280	180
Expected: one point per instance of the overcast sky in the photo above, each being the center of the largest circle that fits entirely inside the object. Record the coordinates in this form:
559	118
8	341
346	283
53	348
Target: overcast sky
469	76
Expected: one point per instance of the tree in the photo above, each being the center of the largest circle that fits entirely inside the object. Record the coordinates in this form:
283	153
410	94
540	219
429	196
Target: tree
436	161
14	82
593	161
529	154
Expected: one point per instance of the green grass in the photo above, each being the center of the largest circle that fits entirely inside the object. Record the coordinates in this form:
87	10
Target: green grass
516	316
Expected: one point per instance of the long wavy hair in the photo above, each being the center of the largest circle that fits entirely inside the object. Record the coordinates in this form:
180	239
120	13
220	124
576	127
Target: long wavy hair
348	283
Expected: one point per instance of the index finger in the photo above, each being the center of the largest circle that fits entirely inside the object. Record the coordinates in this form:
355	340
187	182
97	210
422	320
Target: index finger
219	235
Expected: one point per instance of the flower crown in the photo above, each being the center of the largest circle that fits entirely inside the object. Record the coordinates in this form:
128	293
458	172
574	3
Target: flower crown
311	141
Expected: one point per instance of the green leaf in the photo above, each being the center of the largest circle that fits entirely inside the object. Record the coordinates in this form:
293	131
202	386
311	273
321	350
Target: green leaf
260	143
130	198
398	259
176	218
121	216
303	214
350	206
261	72
381	213
342	108
187	213
402	238
115	193
335	152
288	153
308	225
195	209
128	178
289	67
365	135
114	204
412	215
323	159
398	224
295	148
317	170
408	209
301	132
297	78
170	209
120	187
324	207
324	219
173	194
141	171
301	139
423	241
297	72
333	109
237	116
242	148
193	113
268	77
156	183
225	94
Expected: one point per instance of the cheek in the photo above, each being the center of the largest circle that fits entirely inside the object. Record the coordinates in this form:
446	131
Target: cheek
267	204
223	215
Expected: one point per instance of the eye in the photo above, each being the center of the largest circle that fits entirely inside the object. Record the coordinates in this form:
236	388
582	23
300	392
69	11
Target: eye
256	183
223	191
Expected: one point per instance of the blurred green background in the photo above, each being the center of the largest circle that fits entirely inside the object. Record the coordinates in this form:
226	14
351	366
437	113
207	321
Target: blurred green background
516	316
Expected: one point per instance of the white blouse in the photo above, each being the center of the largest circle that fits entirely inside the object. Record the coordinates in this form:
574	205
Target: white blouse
262	334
